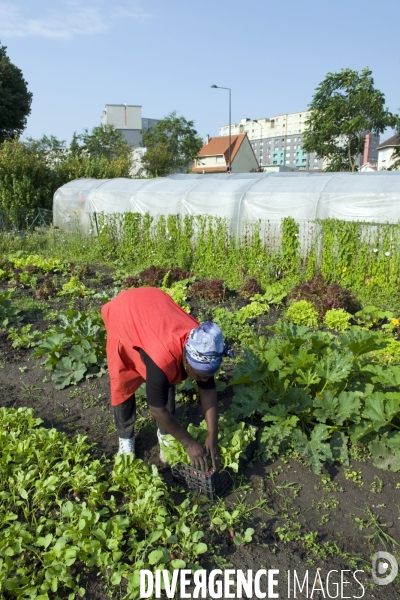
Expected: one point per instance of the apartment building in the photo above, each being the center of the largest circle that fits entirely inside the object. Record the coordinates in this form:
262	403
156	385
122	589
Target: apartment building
278	141
128	119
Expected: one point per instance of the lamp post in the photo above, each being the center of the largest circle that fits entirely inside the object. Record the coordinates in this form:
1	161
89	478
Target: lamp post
229	150
261	142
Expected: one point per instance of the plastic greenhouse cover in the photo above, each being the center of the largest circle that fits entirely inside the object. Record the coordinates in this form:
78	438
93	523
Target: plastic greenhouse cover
240	197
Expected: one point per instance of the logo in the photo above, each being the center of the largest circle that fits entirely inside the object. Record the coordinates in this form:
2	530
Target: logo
384	563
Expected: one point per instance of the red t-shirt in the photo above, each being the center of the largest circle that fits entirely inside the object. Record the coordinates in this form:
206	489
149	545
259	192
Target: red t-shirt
144	318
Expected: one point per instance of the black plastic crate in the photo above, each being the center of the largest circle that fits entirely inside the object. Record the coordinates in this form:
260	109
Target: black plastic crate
213	484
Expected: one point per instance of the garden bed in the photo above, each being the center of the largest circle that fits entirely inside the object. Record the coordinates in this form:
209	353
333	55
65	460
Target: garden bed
301	520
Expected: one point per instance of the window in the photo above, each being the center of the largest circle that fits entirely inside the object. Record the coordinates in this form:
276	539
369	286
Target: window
287	162
220	160
287	153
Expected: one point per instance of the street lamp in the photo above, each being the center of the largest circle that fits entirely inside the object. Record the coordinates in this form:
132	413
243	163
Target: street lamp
261	142
229	151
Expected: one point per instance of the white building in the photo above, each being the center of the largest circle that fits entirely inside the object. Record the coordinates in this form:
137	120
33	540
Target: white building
385	152
128	119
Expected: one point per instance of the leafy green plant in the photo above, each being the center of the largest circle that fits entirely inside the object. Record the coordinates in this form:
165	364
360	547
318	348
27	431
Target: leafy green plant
337	319
75	288
316	393
390	353
178	291
8	314
302	312
23	338
233	439
62	512
323	296
372	317
22	259
75	348
232	329
290	244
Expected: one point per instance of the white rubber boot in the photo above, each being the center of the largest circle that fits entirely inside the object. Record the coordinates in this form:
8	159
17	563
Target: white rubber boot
127	446
161	437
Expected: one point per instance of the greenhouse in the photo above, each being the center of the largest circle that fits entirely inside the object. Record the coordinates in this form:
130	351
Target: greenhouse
240	198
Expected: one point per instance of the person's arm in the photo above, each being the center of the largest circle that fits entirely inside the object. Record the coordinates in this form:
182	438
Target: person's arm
198	458
209	404
157	396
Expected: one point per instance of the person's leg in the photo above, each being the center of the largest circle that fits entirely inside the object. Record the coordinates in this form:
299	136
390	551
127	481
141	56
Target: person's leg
125	417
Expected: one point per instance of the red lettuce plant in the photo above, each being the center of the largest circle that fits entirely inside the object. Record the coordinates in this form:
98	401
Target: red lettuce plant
210	289
154	276
324	296
250	288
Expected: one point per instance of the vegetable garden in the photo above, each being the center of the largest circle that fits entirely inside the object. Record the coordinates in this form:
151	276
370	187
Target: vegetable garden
316	372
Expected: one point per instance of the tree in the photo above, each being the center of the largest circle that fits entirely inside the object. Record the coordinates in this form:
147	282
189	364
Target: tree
158	161
105	141
171	145
396	153
15	99
32	170
345	107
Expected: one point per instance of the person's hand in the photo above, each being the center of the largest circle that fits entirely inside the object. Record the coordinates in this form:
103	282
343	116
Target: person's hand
197	455
212	449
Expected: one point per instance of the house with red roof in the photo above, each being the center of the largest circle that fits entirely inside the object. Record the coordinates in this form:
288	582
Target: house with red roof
214	156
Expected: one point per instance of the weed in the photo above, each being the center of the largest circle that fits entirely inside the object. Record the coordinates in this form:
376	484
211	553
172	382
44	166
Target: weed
31	391
376	486
354	476
378	536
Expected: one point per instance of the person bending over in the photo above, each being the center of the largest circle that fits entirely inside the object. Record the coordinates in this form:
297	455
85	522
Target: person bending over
150	338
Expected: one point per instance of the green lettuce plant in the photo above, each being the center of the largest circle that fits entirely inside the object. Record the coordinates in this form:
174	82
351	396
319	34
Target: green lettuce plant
302	313
337	319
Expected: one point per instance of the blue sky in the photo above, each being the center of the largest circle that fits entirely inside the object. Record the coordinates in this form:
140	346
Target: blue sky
78	56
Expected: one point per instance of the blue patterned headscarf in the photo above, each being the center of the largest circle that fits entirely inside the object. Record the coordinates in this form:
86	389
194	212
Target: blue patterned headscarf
205	348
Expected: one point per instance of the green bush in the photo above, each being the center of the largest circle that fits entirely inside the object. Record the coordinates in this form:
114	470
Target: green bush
303	313
337	319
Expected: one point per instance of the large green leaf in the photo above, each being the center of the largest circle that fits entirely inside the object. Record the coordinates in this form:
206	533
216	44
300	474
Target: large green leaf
360	342
314	450
335	367
338	443
67	372
386	452
338	409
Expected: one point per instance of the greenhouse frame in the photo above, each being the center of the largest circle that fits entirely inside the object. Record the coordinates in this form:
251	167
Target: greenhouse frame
241	198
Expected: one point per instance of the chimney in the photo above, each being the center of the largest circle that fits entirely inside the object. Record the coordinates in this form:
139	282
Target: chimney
207	138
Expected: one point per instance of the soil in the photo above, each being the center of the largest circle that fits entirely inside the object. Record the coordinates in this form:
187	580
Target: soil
294	496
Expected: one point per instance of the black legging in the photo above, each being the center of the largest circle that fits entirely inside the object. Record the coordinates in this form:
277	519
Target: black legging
125	415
